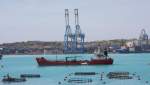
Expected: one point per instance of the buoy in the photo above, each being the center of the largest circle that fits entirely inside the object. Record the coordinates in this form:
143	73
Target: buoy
59	82
104	82
139	79
2	66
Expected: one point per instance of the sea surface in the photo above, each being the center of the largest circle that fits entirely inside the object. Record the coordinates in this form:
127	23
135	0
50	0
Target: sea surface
15	65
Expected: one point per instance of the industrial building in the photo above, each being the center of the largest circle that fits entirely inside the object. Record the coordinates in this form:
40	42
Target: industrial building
143	40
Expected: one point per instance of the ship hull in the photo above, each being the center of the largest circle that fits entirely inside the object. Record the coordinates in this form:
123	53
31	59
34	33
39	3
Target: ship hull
45	62
105	61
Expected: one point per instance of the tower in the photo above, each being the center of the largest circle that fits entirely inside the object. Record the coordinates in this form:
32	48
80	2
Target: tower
73	42
68	37
143	40
79	36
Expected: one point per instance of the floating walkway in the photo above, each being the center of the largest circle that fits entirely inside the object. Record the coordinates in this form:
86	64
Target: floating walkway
94	78
30	76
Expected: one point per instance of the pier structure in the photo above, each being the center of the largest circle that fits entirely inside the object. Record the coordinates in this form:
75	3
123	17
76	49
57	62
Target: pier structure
73	42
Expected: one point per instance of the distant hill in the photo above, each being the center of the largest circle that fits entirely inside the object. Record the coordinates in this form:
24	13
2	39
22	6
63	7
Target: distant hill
51	47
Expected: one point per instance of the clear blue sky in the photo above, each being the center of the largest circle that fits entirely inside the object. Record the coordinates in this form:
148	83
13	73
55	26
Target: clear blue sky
23	20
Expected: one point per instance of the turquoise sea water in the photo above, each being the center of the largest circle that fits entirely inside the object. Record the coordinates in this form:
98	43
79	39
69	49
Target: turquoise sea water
51	75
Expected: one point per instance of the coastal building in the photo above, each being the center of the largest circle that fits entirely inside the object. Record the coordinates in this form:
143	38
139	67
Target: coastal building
139	45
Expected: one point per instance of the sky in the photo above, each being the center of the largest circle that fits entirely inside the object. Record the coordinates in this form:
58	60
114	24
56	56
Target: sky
43	20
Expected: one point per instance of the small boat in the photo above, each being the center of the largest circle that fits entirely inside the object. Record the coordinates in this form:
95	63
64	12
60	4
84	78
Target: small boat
11	79
30	75
14	80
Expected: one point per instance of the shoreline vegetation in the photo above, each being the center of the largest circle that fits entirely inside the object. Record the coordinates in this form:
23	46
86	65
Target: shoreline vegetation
56	47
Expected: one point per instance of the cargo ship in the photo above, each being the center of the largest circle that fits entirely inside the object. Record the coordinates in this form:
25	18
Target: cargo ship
101	61
98	60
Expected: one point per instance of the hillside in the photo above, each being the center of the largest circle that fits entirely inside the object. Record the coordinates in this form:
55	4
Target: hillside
37	47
